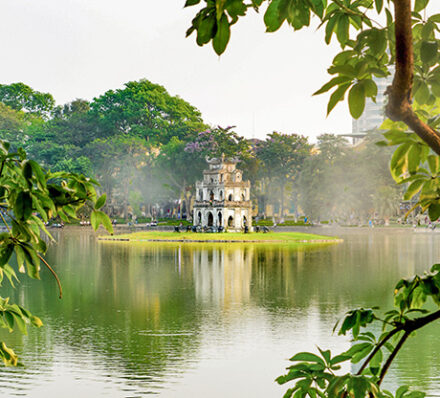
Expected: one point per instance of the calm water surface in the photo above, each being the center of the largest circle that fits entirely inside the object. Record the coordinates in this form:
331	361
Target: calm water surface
207	320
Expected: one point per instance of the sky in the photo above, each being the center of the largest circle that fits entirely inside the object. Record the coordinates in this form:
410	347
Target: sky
82	48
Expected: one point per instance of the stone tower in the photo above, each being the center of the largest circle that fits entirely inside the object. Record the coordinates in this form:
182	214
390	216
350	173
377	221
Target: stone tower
223	198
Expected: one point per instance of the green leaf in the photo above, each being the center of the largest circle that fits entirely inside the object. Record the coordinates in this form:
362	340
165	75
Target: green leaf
333	82
413	158
413	189
23	206
6	253
342	29
420	5
189	3
356	100
272	17
206	29
429	52
379	5
434	18
100	202
421	95
434	163
330	28
307	357
370	87
98	217
27	170
377	41
222	36
434	211
337	96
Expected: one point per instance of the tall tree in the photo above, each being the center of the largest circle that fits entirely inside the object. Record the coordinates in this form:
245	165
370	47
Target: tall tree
282	157
405	41
21	97
146	110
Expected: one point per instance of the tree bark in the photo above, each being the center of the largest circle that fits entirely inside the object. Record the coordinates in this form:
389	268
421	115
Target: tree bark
399	107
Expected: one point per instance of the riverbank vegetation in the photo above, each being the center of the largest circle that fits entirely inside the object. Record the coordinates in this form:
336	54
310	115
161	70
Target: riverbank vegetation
147	148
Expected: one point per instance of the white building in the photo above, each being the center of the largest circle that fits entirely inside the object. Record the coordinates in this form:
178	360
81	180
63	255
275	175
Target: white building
223	198
374	112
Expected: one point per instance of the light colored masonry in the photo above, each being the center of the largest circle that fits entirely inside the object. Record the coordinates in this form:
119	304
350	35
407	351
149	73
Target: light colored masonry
223	198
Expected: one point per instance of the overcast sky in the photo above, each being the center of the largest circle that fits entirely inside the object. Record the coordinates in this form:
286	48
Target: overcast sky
81	48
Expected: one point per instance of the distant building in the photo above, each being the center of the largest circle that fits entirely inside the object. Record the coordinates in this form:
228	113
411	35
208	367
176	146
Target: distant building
374	113
223	198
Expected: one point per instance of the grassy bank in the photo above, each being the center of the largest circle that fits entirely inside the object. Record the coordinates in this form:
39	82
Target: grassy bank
159	236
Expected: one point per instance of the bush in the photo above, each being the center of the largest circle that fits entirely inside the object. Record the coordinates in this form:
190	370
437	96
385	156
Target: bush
292	223
264	223
174	222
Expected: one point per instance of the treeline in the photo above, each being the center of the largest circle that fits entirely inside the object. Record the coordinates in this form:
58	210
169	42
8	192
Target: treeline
147	148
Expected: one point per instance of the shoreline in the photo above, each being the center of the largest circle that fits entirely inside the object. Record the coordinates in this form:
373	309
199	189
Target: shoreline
335	240
233	237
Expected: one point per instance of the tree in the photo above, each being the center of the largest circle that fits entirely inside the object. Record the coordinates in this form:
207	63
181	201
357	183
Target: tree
29	197
145	110
21	97
407	43
181	168
282	157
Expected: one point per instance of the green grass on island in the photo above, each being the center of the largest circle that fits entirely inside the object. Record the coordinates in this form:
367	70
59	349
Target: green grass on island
158	236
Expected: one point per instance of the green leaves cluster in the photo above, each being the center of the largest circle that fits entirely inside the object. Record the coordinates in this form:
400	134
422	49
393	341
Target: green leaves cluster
30	197
319	375
415	166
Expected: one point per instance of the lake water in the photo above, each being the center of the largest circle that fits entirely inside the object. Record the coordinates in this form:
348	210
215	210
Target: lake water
198	320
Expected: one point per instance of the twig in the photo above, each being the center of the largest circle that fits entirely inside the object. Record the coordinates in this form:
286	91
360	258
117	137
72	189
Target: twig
377	348
53	273
392	356
4	222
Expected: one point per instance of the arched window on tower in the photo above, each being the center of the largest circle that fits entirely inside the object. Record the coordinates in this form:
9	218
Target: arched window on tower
211	195
230	197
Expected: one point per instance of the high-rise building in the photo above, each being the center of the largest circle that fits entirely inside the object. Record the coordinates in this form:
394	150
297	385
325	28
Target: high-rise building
374	112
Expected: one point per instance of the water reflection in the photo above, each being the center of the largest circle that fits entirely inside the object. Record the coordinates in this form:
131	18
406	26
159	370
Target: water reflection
196	319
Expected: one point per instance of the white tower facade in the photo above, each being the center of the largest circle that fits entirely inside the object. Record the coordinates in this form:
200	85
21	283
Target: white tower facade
223	198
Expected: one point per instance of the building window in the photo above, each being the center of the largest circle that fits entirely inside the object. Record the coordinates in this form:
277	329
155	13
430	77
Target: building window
221	195
230	221
230	197
211	195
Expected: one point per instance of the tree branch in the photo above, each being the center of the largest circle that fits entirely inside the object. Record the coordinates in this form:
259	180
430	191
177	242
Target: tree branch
53	273
377	348
399	107
392	356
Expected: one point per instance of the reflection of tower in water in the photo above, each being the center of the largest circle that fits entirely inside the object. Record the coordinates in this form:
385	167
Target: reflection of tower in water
222	275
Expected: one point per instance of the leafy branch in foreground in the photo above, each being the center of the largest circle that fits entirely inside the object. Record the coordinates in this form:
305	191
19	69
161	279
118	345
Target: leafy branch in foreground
318	375
29	197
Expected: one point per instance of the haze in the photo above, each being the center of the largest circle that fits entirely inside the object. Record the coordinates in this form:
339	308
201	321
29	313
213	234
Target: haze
80	49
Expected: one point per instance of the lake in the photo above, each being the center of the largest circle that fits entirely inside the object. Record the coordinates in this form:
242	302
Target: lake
198	320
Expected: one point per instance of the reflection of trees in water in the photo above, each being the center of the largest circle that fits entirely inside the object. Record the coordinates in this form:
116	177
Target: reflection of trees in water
131	305
144	309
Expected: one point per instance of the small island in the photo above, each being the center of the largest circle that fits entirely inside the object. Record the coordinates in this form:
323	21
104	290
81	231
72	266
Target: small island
270	237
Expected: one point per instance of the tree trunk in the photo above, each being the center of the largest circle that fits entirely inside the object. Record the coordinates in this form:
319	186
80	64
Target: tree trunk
399	106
